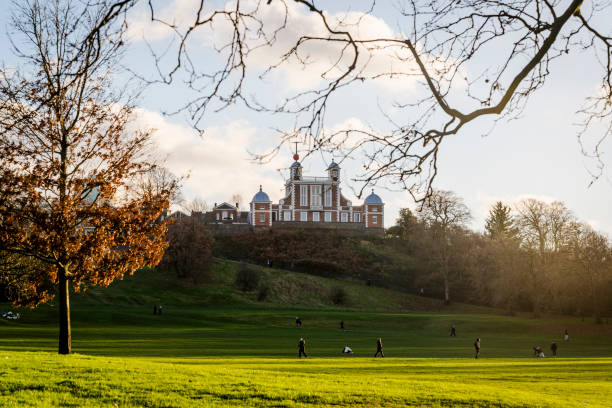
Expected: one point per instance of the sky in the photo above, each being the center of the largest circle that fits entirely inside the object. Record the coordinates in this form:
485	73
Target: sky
536	155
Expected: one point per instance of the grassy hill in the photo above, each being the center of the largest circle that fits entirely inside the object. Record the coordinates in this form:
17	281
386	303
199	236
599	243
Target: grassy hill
217	346
284	289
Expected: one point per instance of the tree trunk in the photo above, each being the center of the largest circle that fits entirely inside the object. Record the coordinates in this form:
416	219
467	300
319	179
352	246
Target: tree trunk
65	336
446	290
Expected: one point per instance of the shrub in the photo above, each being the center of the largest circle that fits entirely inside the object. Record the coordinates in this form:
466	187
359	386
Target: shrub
338	295
263	293
247	278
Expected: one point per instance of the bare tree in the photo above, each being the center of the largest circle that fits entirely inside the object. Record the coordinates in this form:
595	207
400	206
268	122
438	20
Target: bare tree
189	253
155	180
197	205
446	216
237	199
592	267
468	59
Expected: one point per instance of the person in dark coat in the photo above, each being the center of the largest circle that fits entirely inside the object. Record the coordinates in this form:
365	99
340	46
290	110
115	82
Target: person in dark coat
298	322
379	348
477	347
302	348
453	331
341	324
154	309
553	348
159	310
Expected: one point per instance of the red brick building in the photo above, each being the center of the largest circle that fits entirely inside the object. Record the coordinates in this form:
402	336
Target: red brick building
315	200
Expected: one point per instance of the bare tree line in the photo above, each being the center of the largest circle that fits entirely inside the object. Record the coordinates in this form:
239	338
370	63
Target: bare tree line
536	257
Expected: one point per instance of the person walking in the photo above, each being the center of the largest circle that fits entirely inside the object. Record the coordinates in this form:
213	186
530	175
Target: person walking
302	348
154	309
453	331
553	348
379	348
477	347
566	335
298	322
341	324
159	310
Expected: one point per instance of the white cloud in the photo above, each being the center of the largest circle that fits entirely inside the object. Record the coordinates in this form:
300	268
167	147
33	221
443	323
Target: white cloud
217	163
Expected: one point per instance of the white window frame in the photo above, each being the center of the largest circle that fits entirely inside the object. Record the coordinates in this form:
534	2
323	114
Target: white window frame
303	216
224	215
304	195
315	195
344	216
328	196
357	217
315	217
286	215
327	216
375	219
262	217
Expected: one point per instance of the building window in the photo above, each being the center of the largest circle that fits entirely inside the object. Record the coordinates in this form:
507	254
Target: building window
374	209
375	219
304	195
357	217
217	216
303	216
344	217
315	195
328	197
262	218
287	216
224	215
315	216
327	216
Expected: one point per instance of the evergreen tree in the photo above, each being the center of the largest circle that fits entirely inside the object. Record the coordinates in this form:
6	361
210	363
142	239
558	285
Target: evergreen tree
500	223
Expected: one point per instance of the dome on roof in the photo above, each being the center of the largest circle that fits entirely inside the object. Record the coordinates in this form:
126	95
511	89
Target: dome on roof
296	164
261	197
333	165
373	199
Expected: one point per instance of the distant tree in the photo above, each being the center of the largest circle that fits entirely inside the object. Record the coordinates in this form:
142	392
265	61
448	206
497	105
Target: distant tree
197	205
591	265
236	199
445	216
65	153
189	252
407	223
155	180
500	223
546	230
248	278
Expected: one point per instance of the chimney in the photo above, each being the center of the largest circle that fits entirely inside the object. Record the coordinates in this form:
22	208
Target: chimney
236	205
215	205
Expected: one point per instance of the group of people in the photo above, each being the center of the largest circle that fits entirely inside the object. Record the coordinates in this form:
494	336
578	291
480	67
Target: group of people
157	310
10	315
345	350
539	352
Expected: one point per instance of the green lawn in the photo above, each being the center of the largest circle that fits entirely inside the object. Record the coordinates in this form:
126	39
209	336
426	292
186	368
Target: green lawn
201	352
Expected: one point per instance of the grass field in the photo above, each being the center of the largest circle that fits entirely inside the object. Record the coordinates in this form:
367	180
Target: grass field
213	346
